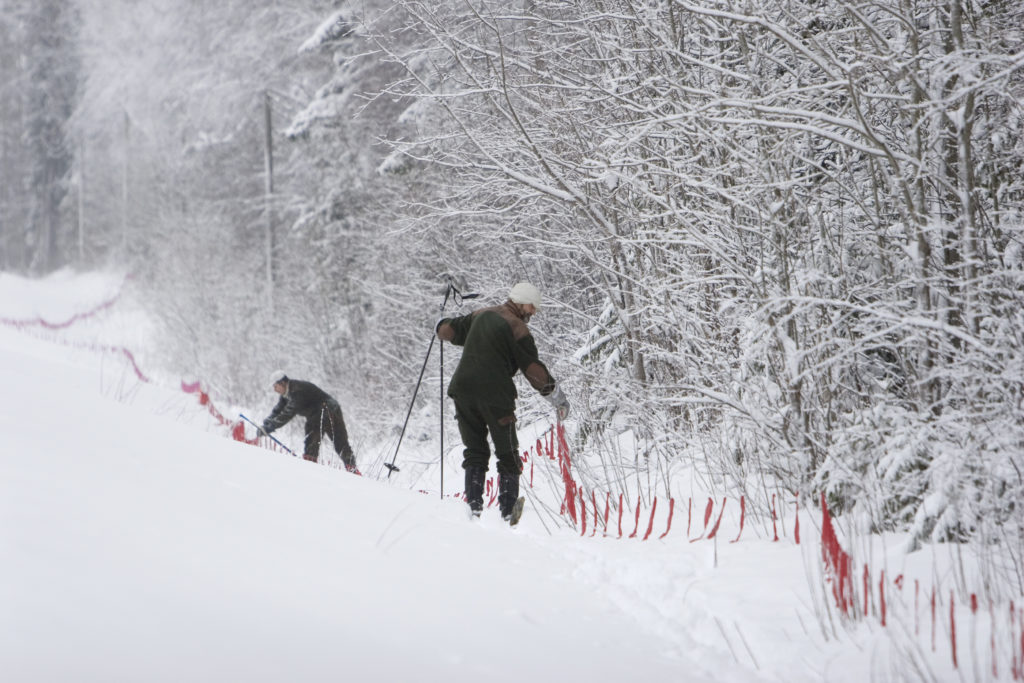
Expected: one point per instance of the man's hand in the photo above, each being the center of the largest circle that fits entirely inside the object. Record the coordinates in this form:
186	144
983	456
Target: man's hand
559	402
443	330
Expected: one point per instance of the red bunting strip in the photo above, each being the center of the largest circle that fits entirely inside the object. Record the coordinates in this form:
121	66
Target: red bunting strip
116	350
593	499
718	521
40	322
237	427
881	595
131	359
92	312
238	434
671	510
837	561
636	526
952	627
866	589
492	491
933	618
650	524
564	464
689	515
743	514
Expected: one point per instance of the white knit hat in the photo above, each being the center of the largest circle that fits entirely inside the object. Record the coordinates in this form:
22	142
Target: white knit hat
525	293
278	376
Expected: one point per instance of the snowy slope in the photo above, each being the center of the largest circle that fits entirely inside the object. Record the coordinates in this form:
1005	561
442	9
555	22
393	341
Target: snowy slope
140	544
139	548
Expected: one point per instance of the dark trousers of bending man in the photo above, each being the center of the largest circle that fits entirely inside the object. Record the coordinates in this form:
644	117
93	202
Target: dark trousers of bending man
331	423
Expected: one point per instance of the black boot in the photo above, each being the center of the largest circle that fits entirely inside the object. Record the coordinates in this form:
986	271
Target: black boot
508	494
475	489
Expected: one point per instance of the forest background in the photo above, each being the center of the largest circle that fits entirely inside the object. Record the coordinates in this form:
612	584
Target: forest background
779	242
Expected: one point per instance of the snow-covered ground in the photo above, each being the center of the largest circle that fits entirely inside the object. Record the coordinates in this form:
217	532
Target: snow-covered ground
139	543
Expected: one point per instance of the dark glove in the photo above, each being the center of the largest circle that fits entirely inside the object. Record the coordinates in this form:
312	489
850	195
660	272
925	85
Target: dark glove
265	429
559	402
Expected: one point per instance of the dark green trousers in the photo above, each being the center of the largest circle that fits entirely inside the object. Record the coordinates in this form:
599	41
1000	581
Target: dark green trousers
476	421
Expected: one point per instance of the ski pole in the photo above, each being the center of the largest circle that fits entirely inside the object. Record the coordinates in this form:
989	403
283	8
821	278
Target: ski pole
391	465
449	290
459	296
259	430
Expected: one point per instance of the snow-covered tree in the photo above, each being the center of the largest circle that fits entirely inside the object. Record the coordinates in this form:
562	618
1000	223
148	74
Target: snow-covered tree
787	232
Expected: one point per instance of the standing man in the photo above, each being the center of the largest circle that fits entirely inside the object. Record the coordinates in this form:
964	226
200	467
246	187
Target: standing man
322	413
496	344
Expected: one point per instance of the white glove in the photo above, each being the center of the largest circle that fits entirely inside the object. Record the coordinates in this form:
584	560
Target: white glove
559	402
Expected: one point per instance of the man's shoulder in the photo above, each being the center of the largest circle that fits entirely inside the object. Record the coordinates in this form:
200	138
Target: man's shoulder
502	317
302	386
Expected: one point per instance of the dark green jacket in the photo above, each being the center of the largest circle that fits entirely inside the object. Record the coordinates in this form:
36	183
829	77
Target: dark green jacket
496	344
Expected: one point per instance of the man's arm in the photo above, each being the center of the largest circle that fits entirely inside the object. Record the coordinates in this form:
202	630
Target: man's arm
538	376
454	330
535	372
280	415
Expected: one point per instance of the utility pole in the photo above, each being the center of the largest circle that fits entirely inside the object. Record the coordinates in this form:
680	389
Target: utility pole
124	186
268	164
81	199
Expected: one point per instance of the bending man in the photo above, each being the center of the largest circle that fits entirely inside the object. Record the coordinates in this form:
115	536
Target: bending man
322	413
